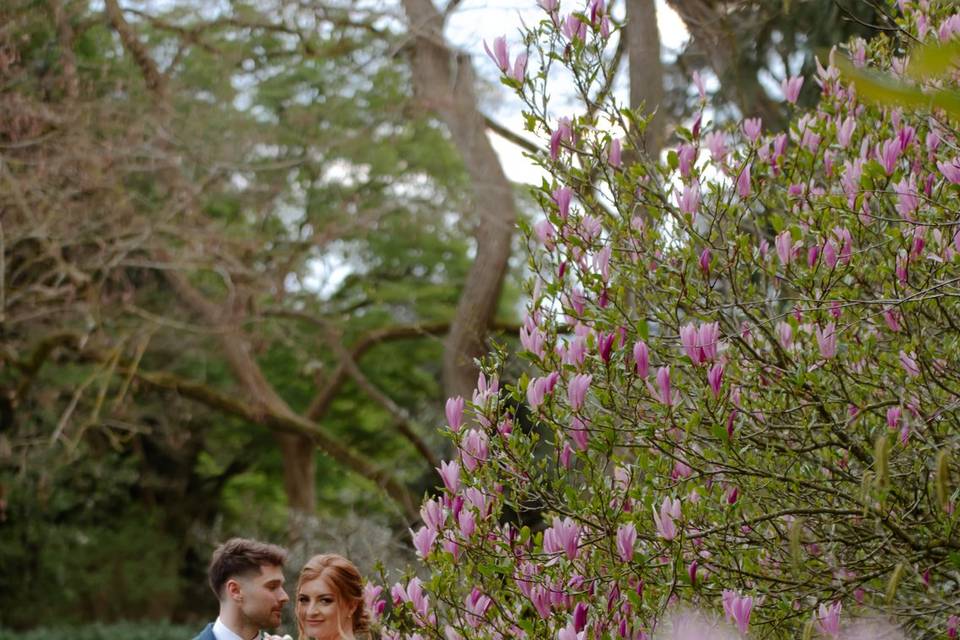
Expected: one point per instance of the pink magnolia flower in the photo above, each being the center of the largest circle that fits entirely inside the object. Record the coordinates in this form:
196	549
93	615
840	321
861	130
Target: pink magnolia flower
784	243
532	339
715	379
908	200
851	179
827	340
889	154
845	239
716	142
829	619
791	88
737	608
626	539
562	197
845	131
691	624
949	28
779	147
733	495
859	52
700	344
580	616
689	200
909	363
485	389
562	134
687	154
566	455
562	537
579	434
519	72
431	511
500	54
416	596
576	351
605	27
371	597
423	540
605	345
450	474
689	337
664	394
950	170
892	318
901	269
477	498
705	261
574	29
698	83
577	390
743	182
664	519
708	337
569	632
953	622
537	390
830	254
785	334
454	411
544	232
893	417
641	358
810	141
614	153
467	523
751	129
474	449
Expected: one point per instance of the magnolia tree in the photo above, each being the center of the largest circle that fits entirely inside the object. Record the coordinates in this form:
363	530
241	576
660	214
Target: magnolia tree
747	375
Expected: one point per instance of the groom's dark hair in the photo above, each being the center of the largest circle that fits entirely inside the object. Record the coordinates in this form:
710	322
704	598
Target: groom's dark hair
242	557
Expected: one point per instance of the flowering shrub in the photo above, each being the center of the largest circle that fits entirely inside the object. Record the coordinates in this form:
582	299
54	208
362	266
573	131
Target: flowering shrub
747	375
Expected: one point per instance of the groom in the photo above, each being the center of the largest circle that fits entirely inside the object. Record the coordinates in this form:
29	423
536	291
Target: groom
247	577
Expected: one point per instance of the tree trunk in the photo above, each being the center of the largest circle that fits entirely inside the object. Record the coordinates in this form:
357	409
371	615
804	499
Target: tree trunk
299	472
443	82
719	46
646	70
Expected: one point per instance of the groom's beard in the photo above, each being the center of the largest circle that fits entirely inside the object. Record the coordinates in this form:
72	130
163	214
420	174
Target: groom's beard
266	620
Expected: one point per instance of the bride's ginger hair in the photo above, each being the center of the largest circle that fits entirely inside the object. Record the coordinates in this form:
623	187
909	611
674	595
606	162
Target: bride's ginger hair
346	581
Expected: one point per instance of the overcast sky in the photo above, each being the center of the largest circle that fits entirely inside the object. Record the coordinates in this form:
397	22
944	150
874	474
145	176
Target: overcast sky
476	21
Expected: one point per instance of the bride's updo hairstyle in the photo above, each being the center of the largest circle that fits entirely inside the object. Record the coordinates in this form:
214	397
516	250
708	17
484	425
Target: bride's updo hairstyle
345	579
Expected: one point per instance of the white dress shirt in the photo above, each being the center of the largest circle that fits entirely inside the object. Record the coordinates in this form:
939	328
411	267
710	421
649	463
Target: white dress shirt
223	632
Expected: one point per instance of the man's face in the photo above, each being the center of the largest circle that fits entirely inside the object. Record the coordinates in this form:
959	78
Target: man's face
262	597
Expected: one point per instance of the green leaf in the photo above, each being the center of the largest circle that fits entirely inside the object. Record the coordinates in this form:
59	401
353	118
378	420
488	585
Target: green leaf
643	328
934	59
673	159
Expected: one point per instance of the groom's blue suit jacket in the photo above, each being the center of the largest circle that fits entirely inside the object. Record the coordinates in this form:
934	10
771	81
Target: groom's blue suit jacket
206	634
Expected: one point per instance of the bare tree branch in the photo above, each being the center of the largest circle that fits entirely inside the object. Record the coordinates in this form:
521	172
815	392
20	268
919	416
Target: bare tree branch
155	80
511	136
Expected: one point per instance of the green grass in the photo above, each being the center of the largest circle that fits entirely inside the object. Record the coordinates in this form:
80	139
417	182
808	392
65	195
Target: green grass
116	631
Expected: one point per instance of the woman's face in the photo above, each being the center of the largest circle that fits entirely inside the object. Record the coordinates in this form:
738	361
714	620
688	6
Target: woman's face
321	613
